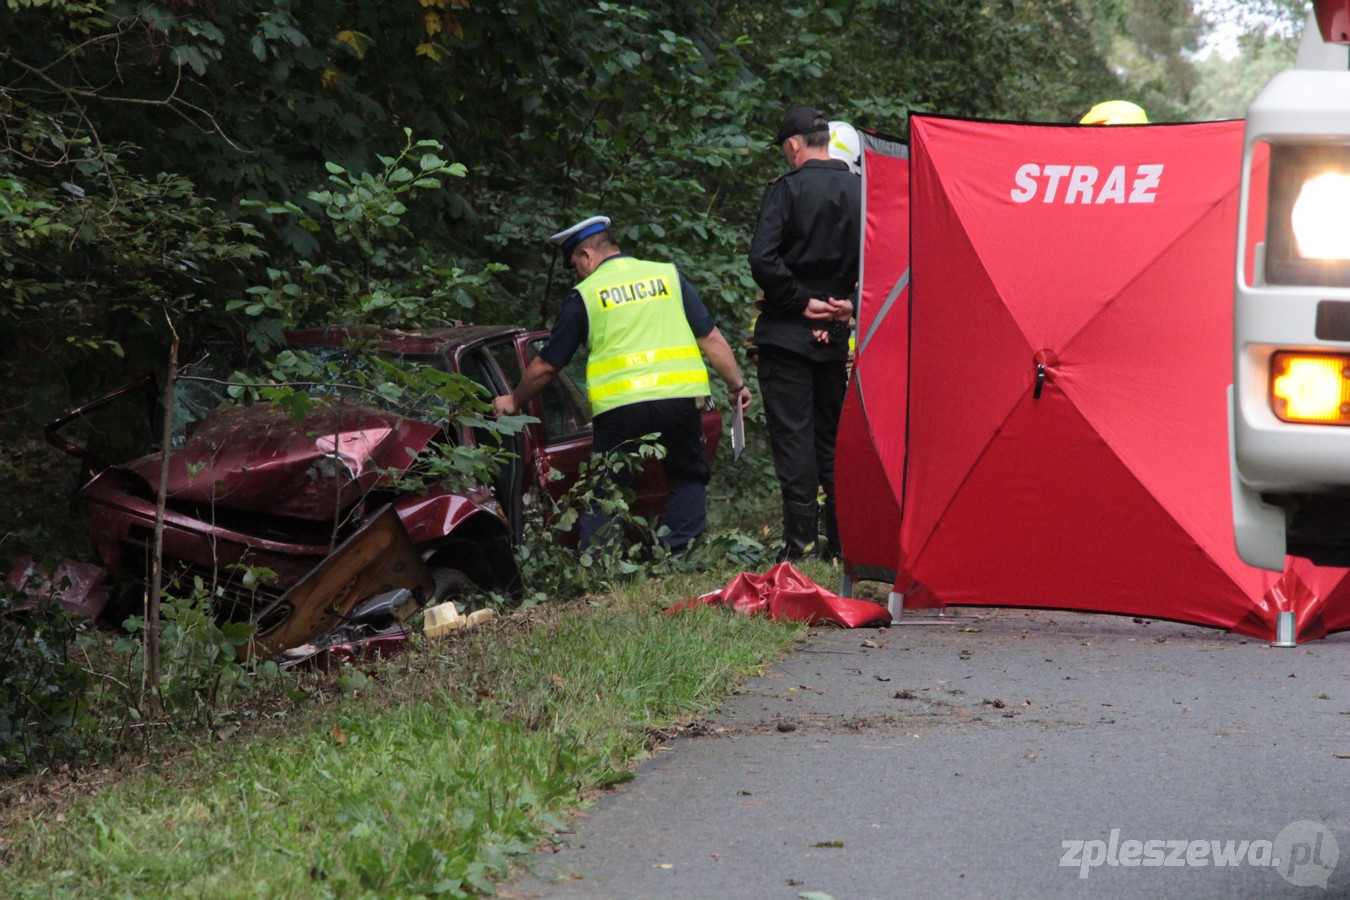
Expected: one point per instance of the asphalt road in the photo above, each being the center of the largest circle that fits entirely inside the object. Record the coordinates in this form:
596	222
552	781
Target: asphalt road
1006	754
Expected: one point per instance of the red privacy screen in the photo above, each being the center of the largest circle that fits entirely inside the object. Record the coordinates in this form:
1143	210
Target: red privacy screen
1065	365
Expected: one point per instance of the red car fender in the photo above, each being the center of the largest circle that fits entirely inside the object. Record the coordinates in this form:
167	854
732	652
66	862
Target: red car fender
428	519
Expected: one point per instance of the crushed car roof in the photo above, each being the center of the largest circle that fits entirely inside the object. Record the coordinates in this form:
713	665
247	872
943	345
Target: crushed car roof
396	340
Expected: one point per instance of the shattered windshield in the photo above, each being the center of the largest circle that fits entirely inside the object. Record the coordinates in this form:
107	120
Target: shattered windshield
201	386
409	385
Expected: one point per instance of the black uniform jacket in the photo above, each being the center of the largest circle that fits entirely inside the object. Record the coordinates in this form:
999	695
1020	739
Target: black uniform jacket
806	246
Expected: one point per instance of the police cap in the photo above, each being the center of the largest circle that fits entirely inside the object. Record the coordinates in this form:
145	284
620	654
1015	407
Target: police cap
567	239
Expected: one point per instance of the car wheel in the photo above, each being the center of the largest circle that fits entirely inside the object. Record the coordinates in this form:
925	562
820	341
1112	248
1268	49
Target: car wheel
450	584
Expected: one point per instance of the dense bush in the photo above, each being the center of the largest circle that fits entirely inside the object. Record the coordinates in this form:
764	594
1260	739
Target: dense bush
44	690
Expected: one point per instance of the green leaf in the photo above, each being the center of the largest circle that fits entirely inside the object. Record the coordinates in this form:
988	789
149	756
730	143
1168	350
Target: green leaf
237	633
352	680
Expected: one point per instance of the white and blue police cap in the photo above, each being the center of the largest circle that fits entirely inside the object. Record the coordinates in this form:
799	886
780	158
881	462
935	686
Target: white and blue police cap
567	240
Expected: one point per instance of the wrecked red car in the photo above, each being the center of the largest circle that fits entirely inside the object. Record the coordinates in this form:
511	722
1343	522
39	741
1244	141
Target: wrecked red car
312	507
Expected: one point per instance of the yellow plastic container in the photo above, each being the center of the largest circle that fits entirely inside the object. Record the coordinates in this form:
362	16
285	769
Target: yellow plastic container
440	620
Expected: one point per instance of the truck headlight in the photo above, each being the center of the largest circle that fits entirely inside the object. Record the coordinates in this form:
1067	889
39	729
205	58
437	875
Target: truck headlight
1308	221
1310	387
1318	218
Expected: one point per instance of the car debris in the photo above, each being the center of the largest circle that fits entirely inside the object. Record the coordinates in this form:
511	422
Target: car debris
440	620
78	587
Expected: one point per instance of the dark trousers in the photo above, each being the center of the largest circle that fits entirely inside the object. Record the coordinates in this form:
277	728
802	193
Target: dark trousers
802	401
678	426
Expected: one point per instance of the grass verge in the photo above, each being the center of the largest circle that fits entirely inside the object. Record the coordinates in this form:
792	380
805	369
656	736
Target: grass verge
426	780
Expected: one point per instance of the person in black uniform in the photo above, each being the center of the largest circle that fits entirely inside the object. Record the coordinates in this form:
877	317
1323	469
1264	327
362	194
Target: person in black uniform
804	256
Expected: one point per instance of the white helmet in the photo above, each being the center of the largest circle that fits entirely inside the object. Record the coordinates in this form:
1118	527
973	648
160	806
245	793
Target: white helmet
845	144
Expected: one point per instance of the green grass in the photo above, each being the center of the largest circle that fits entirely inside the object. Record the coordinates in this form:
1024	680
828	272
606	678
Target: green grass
452	759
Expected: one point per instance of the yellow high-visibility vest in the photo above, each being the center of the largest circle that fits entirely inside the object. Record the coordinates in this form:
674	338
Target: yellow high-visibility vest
642	347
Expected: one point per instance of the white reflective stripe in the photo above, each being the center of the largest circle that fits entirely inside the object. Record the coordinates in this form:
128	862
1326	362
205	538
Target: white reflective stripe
885	308
642	357
647	382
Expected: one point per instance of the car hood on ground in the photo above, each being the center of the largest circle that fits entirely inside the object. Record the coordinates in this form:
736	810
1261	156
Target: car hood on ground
258	458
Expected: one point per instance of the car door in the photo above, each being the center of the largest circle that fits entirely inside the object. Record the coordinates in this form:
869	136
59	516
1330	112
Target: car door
483	364
562	438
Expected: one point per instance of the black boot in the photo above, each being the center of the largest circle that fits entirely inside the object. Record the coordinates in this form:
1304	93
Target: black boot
830	548
799	530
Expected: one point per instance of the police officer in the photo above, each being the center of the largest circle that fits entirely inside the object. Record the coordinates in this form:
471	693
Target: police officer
804	256
645	326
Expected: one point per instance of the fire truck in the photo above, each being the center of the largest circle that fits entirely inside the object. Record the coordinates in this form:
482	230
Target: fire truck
1289	405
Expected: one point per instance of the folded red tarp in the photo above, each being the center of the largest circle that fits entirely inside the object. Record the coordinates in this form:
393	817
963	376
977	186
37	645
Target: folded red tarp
785	593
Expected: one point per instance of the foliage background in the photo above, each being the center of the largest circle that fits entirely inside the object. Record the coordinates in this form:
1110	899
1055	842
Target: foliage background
141	142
